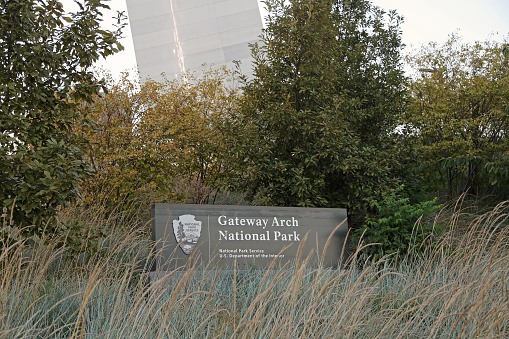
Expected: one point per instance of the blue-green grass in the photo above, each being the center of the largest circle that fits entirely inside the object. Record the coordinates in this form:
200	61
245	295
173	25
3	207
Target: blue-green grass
457	288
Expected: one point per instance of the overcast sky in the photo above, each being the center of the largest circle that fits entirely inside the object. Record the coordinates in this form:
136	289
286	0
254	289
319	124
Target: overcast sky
424	21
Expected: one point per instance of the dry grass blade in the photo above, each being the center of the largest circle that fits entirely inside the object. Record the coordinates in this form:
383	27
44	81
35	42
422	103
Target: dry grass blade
456	288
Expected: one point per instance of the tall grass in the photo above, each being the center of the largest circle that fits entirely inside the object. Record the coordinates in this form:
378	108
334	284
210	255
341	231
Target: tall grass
457	288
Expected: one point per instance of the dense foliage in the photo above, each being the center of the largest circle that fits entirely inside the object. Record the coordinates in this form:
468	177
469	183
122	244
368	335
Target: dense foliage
459	116
45	56
398	226
161	141
316	121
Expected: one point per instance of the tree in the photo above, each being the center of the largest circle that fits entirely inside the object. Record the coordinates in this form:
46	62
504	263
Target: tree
161	141
460	115
187	126
45	62
317	119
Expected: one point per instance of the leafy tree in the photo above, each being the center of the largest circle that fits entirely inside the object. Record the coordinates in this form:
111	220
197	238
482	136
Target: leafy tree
316	123
121	173
460	115
45	57
187	126
159	141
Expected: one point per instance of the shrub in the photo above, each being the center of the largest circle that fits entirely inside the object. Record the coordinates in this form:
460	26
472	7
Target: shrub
397	225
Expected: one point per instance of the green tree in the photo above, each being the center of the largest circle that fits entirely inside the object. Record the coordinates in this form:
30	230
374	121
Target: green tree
459	116
317	119
187	126
45	60
159	141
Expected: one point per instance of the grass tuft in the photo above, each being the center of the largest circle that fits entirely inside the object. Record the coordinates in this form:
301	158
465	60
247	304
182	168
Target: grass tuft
457	287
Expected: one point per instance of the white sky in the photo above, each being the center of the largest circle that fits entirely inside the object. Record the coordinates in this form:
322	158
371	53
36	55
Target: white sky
425	21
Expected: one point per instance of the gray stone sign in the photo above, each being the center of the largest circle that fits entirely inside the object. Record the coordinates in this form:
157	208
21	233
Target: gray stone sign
250	236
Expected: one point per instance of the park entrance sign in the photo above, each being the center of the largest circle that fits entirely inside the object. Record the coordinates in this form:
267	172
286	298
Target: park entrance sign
249	236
